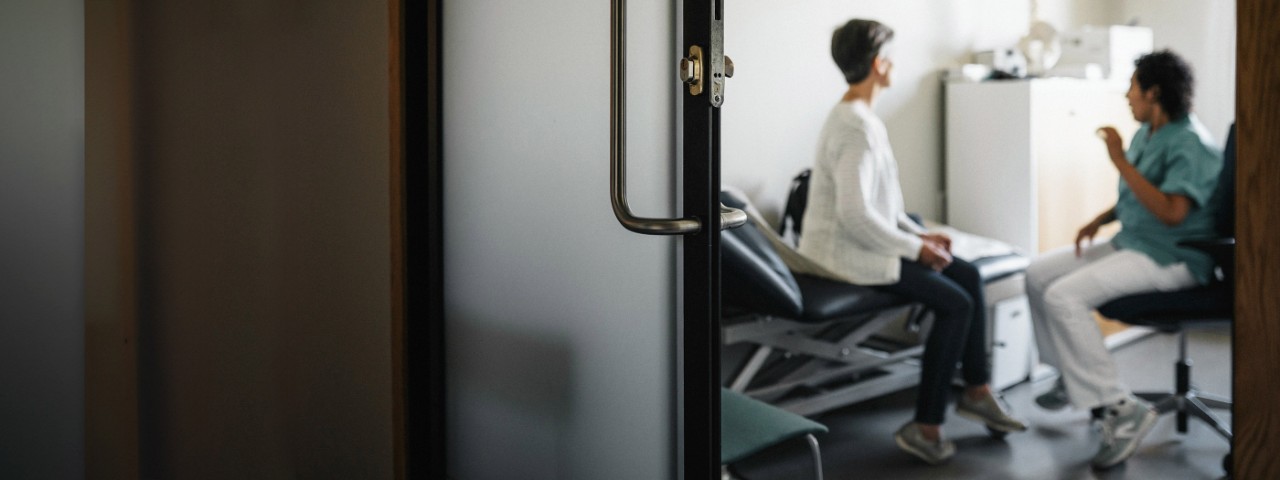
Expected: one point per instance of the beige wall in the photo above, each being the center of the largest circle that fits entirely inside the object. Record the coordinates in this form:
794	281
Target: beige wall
260	157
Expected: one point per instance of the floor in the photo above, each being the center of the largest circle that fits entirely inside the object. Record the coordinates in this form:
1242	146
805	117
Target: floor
1058	446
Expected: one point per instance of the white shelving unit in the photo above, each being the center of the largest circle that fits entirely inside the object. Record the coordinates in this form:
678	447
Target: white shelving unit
1023	162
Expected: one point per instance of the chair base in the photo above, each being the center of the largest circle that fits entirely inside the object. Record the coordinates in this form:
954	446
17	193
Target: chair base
1188	401
1191	403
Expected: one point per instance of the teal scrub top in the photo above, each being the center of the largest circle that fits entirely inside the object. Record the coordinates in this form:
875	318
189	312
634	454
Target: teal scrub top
1182	159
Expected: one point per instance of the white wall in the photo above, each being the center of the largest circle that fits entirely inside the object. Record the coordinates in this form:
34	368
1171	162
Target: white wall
560	322
1204	33
785	81
42	239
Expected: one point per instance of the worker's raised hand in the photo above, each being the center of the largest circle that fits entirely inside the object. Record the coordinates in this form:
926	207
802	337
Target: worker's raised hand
934	256
1115	146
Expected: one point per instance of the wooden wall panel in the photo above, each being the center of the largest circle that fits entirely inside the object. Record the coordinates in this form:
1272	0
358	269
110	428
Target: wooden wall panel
1257	328
264	244
395	107
111	275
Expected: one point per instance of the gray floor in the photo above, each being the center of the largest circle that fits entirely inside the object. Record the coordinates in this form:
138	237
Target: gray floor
1058	446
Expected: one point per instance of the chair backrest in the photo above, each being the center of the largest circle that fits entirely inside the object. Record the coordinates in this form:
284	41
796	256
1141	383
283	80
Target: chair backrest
753	277
797	200
1224	197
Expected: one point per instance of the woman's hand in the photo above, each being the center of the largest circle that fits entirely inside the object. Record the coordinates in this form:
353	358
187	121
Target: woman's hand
1170	209
1115	146
1086	233
938	238
934	255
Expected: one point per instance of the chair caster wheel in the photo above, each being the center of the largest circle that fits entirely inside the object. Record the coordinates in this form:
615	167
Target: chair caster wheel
997	434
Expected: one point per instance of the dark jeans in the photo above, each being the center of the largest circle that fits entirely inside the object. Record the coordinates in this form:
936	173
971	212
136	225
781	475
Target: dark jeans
959	331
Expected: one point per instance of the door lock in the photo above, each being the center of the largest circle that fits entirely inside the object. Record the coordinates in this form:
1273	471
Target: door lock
692	68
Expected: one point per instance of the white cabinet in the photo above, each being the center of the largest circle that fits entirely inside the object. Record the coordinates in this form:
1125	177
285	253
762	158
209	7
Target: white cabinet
1011	342
1009	332
1023	162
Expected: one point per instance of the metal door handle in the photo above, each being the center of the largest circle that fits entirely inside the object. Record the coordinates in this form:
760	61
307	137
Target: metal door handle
729	217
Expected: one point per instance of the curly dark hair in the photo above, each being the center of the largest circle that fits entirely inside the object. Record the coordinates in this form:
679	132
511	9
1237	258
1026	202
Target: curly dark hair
1173	75
855	45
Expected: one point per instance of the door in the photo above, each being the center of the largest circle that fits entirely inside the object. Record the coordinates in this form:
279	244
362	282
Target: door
560	327
703	70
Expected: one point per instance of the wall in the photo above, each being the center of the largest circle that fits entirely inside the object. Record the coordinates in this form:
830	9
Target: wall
110	246
262	141
1204	33
560	322
785	82
42	240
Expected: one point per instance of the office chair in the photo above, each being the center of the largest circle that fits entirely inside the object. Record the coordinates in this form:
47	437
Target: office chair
1175	312
748	426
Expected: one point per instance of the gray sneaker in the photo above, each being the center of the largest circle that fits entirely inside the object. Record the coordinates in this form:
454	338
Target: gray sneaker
1056	398
990	410
1123	426
912	441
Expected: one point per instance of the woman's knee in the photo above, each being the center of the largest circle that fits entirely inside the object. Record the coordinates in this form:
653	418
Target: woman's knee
1037	277
965	274
957	304
1060	295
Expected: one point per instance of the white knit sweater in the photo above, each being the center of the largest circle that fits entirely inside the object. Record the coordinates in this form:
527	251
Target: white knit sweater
855	223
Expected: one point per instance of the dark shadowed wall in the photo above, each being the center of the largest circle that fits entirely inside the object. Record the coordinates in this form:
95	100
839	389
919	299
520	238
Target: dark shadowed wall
254	140
41	239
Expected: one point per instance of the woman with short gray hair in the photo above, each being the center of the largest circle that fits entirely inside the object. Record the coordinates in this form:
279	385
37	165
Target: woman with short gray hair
856	226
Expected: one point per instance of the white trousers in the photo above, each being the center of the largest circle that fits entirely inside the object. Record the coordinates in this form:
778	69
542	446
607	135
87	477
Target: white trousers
1063	291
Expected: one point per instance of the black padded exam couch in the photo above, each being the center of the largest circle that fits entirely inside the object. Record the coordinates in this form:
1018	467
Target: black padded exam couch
809	344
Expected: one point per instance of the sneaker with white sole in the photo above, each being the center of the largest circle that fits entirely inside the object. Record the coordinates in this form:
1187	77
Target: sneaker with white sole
911	440
989	410
1124	424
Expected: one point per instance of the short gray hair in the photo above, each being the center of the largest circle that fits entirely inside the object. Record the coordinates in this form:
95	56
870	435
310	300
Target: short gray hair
855	45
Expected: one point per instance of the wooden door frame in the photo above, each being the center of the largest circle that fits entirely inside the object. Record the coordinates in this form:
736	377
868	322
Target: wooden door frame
1257	308
111	281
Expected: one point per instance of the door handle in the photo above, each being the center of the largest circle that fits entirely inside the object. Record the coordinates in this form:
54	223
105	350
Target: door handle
729	217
